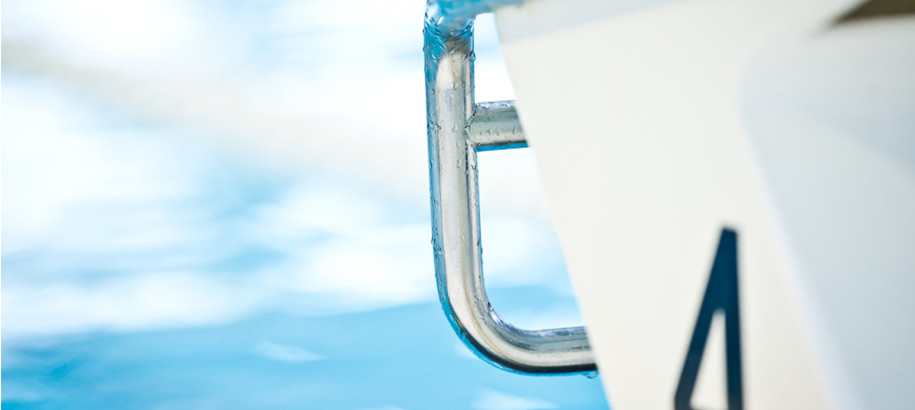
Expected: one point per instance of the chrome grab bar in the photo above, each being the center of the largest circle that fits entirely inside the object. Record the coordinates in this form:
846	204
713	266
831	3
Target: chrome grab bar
457	130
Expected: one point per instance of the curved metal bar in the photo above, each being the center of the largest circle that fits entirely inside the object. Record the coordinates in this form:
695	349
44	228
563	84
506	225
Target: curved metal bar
451	16
455	210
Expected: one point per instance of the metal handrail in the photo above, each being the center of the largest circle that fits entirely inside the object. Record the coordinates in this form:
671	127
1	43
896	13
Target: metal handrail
457	130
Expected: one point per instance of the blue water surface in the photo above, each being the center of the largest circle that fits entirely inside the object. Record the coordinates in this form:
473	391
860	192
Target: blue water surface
225	205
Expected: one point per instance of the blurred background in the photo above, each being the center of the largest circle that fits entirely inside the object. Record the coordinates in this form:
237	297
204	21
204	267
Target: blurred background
224	204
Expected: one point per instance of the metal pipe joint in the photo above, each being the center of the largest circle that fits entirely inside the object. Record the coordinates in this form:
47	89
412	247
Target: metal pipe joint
457	130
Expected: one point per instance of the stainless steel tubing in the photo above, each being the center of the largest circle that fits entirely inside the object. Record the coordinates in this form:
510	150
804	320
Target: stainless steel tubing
457	129
494	126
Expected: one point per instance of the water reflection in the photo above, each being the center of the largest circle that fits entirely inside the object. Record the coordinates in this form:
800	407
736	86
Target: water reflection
218	205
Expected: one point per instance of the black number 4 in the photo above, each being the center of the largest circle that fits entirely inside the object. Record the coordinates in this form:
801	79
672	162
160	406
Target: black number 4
721	294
